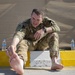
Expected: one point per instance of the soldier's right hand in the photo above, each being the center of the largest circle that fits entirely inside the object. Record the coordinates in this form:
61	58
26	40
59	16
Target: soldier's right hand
11	51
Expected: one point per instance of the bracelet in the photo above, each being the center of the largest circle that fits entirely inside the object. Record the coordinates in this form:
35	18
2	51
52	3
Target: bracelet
44	29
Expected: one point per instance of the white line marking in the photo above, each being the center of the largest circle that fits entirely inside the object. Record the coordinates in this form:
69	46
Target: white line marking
7	10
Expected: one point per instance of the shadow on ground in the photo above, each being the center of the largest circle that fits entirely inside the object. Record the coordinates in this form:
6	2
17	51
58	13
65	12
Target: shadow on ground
7	72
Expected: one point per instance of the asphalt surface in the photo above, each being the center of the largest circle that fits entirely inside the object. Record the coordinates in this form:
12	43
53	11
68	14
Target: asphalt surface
36	71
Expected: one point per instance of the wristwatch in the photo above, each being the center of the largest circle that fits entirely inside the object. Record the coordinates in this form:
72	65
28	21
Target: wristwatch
44	29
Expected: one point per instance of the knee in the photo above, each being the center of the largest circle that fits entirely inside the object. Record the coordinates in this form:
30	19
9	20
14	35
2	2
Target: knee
54	35
22	42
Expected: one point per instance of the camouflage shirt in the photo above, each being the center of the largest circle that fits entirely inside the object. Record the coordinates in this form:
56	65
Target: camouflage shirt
25	30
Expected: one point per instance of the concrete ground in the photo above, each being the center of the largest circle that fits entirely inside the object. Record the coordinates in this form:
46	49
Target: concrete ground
36	71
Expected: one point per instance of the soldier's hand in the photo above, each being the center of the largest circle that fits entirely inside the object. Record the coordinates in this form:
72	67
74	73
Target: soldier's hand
39	34
11	51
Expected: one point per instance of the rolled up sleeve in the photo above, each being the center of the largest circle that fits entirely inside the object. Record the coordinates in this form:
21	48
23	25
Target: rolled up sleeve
55	27
51	23
19	34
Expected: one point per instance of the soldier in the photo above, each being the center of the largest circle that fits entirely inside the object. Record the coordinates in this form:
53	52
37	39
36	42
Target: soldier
38	32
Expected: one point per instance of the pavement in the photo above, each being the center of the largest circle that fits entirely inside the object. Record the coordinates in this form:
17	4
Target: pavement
39	71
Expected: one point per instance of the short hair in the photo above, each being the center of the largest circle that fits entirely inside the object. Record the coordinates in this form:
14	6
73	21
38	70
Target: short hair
38	12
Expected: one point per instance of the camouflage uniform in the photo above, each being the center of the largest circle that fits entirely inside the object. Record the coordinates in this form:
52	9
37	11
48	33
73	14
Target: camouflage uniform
25	32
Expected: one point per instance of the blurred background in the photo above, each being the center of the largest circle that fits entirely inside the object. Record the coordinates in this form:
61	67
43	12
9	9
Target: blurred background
13	12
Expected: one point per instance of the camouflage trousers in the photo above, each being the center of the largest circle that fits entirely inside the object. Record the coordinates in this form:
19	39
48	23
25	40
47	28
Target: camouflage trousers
48	42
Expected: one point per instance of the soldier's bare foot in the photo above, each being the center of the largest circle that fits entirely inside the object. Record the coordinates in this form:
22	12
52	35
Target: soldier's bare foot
57	66
17	64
